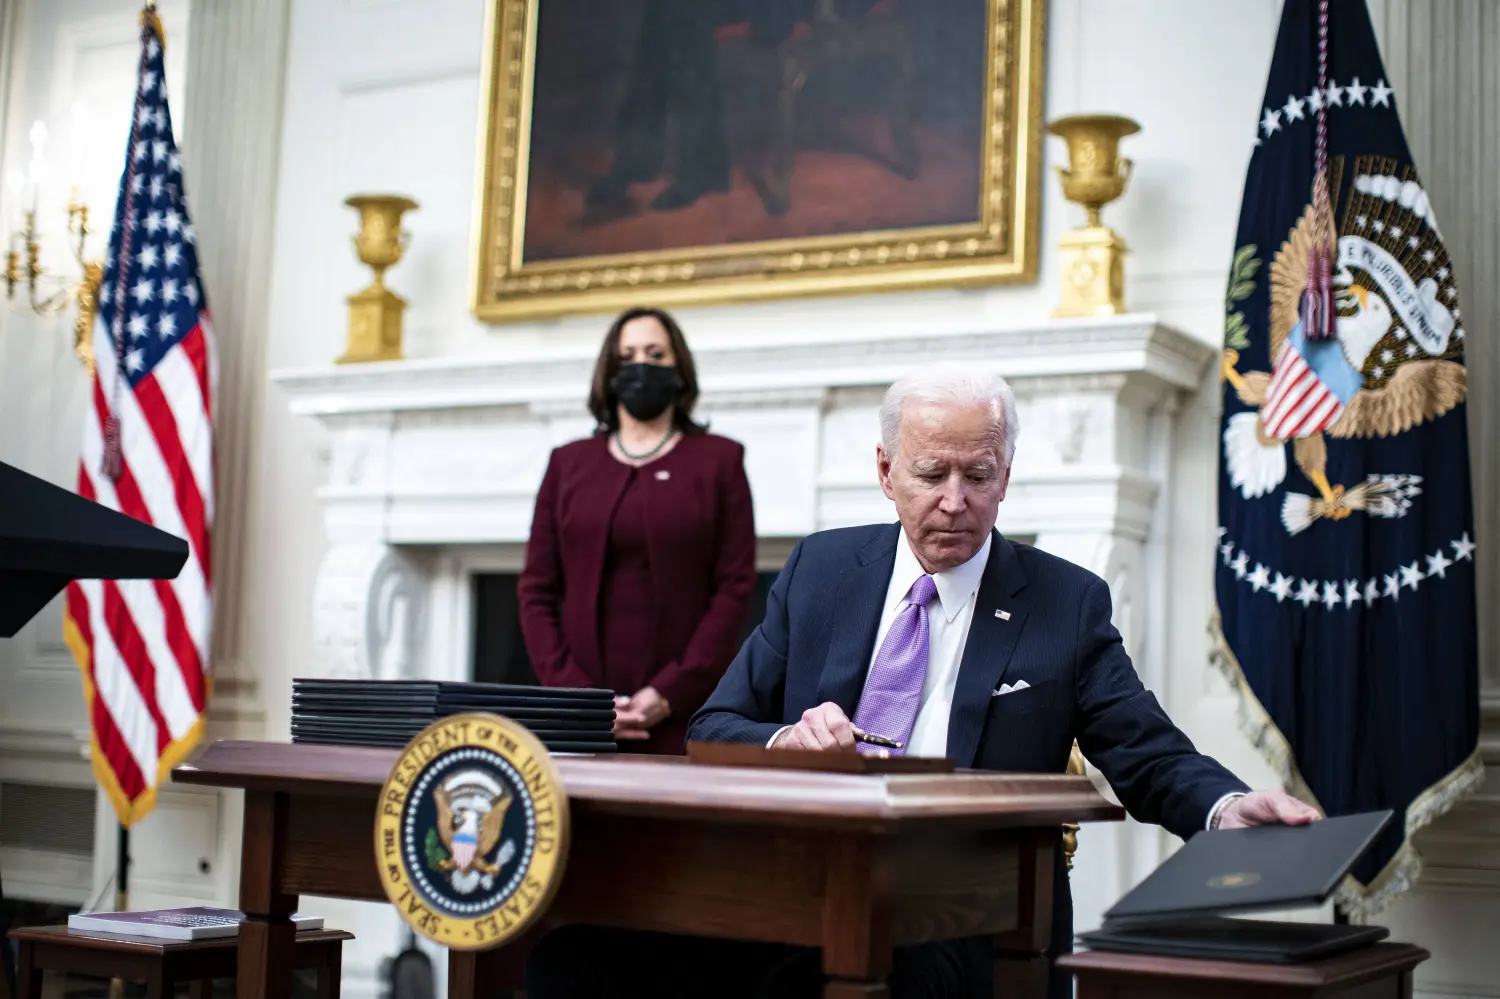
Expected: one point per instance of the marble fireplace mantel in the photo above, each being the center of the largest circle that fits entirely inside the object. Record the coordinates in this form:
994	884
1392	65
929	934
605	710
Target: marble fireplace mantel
430	458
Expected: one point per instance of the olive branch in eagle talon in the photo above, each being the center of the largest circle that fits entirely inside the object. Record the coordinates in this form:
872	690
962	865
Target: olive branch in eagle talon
1414	392
1241	286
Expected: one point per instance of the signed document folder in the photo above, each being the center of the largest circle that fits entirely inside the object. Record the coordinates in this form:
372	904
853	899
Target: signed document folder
1180	908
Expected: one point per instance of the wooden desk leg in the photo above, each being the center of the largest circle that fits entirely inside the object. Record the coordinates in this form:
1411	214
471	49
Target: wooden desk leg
268	939
856	941
28	975
1021	966
475	974
331	973
202	988
157	987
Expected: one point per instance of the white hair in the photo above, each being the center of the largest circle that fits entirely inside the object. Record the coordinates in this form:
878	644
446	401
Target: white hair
954	386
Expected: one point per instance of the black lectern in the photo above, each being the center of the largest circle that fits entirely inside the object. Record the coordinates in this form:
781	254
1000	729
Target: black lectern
50	537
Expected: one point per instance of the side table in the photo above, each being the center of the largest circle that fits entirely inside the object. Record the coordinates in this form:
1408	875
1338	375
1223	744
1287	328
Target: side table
161	964
1379	971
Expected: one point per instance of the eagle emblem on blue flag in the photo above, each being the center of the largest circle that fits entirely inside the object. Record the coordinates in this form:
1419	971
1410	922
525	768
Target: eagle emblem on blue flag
1344	577
1397	360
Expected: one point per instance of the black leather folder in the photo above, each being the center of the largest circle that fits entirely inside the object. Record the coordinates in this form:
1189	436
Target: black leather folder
462	690
1220	938
1180	908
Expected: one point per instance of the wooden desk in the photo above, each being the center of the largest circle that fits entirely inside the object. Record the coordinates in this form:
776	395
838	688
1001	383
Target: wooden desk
855	864
1381	971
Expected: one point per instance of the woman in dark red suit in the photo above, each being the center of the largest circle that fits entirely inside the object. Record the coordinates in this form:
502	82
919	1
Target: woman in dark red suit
641	565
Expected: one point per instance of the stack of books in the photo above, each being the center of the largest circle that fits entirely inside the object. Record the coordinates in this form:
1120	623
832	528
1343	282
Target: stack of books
390	713
199	923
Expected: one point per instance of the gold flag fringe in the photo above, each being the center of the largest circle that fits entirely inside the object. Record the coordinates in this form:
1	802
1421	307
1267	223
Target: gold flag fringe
1359	902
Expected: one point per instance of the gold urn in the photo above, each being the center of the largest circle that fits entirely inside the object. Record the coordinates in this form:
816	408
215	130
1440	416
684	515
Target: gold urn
1093	255
375	313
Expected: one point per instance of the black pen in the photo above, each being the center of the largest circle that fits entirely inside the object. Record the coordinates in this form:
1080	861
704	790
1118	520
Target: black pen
876	740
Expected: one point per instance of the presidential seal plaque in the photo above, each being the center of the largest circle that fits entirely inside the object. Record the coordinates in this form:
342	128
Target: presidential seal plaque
471	837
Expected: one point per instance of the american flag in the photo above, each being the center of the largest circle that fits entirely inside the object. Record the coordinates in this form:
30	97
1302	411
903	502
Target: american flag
143	645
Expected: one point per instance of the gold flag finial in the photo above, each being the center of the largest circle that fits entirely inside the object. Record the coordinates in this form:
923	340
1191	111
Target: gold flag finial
150	18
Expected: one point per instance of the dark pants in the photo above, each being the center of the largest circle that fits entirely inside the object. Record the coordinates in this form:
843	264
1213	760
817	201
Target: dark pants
591	962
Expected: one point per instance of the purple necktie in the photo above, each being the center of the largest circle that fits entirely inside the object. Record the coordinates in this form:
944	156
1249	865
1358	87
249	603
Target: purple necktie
893	690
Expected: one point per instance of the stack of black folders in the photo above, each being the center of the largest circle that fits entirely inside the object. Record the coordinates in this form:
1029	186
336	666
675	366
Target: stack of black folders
1187	907
390	713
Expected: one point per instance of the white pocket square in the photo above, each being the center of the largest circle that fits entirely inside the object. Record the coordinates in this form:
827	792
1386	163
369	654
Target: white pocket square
1008	688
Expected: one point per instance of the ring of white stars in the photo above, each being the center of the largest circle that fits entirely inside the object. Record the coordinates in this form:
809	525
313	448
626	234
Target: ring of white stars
1305	108
1336	594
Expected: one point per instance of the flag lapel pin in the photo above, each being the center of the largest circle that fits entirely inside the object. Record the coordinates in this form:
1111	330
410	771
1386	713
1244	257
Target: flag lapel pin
1003	615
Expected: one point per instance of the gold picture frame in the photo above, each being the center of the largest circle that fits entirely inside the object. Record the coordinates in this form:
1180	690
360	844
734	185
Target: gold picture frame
1000	245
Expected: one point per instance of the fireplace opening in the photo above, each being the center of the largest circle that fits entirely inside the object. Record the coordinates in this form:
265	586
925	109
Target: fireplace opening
499	648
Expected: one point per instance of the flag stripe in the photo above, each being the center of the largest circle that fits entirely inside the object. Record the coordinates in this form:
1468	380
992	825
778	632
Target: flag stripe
169	626
116	689
109	744
1288	387
196	345
1324	415
1311	399
135	658
168	644
1289	384
124	496
114	750
158	505
195	348
176	448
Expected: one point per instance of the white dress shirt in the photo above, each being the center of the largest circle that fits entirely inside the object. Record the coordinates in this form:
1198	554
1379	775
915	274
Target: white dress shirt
948	617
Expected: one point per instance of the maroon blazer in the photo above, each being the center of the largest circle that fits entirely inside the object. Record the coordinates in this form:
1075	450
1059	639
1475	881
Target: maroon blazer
701	546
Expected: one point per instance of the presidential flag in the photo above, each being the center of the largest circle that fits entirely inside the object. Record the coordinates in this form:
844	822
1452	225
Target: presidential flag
1345	569
143	645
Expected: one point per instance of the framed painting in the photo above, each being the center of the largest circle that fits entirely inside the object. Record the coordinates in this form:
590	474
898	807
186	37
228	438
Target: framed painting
686	152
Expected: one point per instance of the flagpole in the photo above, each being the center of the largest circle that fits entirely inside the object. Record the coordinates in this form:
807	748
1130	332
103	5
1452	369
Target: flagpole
122	894
122	871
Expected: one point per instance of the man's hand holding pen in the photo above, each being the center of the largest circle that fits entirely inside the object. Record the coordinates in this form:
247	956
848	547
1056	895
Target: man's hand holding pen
827	728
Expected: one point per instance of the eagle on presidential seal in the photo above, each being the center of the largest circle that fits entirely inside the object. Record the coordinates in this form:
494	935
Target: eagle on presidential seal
471	807
1396	361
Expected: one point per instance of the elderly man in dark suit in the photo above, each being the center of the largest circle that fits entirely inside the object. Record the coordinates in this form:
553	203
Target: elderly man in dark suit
938	633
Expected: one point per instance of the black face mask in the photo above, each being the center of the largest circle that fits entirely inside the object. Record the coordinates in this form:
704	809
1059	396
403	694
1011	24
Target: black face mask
646	390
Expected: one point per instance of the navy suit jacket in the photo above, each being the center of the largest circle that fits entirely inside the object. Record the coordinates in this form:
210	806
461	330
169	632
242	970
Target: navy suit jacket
818	636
